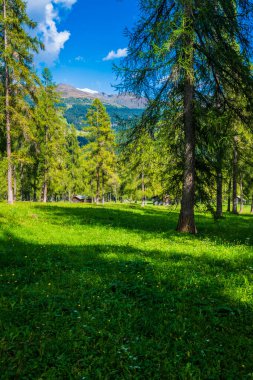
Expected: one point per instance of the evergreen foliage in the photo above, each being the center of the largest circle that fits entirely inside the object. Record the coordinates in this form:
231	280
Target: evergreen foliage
51	131
100	149
193	144
76	112
17	77
181	55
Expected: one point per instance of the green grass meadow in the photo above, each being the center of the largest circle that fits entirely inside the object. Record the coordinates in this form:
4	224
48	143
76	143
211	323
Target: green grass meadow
114	292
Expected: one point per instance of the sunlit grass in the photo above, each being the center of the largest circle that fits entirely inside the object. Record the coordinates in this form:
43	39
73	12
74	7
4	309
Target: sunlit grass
113	292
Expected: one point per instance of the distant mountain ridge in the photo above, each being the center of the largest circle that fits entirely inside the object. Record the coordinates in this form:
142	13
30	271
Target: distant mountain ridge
77	102
124	100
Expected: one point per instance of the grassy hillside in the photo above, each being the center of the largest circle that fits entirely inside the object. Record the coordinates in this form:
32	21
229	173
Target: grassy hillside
113	292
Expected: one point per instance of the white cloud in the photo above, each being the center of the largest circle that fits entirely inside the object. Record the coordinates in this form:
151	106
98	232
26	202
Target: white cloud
79	58
46	14
66	3
36	8
118	54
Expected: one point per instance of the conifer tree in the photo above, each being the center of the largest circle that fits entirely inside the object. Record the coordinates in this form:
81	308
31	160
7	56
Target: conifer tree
182	52
100	151
139	162
18	79
76	171
51	134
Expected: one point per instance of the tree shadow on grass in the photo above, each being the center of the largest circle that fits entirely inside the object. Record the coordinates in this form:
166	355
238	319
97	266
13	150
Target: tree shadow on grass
113	312
231	229
129	217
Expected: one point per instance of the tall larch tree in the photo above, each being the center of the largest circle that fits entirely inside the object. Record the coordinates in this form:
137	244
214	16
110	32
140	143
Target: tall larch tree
181	52
51	136
100	151
76	173
17	75
138	163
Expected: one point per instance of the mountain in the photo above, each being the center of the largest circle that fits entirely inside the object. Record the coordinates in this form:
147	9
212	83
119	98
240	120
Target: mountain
124	100
77	101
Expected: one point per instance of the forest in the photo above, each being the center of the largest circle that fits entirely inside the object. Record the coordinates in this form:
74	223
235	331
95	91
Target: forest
195	73
76	110
150	276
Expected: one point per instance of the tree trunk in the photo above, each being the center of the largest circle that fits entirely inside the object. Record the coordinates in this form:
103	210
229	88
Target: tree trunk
251	209
7	113
186	221
219	181
14	184
44	191
34	191
116	195
45	183
98	187
22	195
35	184
235	175
229	195
241	196
91	190
103	195
143	202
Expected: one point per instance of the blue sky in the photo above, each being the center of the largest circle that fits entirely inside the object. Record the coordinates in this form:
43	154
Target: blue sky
83	38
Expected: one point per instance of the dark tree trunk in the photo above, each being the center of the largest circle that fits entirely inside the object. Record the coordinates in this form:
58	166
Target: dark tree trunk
7	114
186	222
35	184
235	176
219	181
103	195
143	202
22	192
241	196
14	184
251	209
116	194
35	191
44	191
98	186
91	190
229	195
45	183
